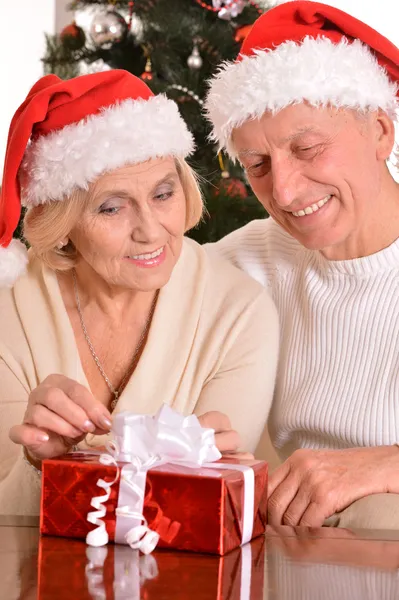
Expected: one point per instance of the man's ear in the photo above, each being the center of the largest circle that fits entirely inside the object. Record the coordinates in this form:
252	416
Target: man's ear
385	134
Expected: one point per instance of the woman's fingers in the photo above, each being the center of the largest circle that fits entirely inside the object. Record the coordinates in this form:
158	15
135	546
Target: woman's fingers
73	402
60	404
39	443
43	418
60	413
227	441
239	455
96	412
215	420
28	435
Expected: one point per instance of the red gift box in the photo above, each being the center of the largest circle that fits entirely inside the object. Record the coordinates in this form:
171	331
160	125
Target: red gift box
197	509
116	572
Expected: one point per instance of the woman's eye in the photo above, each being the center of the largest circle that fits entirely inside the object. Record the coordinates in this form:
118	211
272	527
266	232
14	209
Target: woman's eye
163	196
111	210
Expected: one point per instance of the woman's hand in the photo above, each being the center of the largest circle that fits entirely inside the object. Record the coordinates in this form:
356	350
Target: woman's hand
226	439
312	485
60	413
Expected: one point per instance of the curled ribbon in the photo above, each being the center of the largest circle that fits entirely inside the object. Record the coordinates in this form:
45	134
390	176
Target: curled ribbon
99	536
140	537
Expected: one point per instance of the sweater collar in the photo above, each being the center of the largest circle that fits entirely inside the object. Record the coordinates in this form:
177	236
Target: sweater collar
383	260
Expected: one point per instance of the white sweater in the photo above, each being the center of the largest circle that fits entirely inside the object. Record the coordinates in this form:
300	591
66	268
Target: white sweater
338	377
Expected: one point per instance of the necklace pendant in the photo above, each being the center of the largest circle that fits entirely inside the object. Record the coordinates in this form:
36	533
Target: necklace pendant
114	402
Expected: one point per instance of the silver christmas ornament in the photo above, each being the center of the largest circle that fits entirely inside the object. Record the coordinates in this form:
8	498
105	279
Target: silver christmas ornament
195	61
107	28
98	66
137	28
229	9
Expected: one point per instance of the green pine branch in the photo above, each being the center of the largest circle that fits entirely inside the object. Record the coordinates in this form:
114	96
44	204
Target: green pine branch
170	30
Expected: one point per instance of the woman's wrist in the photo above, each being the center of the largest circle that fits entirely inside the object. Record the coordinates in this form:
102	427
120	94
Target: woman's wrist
33	463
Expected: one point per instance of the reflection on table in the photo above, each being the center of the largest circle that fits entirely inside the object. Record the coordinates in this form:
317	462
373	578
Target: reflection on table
287	564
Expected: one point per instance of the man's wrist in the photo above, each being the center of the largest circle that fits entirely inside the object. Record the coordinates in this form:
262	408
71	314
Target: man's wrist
391	474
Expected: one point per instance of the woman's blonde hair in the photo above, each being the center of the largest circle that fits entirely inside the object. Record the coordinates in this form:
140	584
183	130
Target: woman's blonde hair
47	224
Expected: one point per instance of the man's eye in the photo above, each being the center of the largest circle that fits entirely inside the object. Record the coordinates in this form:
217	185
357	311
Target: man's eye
308	151
259	169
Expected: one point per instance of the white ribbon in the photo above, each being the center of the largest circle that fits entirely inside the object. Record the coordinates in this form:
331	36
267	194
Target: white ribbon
246	572
94	572
131	571
144	442
249	496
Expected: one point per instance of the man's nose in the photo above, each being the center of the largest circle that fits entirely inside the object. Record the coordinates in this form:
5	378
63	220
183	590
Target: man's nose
286	181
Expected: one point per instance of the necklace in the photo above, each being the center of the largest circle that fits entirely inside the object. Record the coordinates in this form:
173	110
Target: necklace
116	392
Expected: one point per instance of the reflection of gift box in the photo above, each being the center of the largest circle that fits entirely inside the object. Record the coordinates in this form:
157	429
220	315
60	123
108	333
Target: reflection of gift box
117	572
199	509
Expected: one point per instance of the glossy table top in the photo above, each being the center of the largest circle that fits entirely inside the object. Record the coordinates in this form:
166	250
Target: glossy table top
286	564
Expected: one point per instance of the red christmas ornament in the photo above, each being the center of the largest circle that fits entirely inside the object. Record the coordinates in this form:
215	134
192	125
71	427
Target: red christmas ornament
232	187
74	36
148	74
242	32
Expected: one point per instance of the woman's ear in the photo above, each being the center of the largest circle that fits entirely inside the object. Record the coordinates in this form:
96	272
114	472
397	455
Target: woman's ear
385	132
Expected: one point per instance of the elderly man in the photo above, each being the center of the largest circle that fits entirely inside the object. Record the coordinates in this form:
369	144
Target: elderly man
309	110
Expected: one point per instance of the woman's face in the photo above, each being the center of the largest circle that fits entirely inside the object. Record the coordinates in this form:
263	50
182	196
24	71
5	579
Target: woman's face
131	232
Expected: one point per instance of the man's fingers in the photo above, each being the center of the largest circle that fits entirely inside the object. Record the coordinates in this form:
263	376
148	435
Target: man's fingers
280	499
296	509
314	516
277	477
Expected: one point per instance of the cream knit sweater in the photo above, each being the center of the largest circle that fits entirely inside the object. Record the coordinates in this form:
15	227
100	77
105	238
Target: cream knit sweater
338	376
212	345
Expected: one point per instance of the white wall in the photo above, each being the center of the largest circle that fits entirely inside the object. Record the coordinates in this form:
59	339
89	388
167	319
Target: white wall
62	16
22	44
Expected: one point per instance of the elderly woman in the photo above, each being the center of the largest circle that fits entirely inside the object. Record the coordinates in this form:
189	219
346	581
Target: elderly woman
309	110
116	310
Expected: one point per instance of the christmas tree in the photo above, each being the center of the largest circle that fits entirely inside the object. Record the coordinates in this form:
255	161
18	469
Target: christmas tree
175	46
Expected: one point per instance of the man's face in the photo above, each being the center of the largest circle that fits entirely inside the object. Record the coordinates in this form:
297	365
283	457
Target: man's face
317	171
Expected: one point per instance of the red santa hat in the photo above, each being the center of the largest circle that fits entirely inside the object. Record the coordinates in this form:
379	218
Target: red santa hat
67	133
303	51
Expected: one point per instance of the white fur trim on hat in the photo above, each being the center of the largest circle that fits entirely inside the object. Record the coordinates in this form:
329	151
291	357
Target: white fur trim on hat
129	132
13	261
316	70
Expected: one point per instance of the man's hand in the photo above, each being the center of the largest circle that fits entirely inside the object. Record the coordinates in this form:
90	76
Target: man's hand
312	485
330	545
